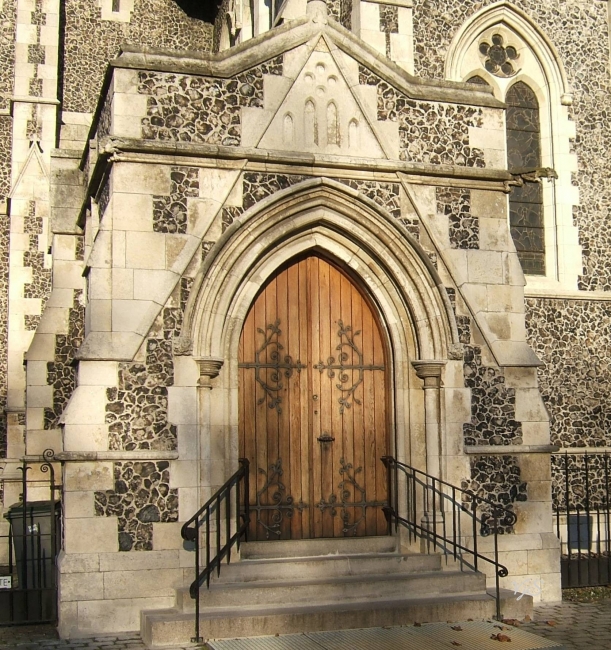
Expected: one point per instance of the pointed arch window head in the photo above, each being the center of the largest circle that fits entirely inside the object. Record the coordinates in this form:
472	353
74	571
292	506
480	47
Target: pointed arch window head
311	124
524	152
476	80
332	124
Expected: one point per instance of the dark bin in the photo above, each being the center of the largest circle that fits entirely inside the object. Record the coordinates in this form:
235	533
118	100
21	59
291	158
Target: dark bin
35	556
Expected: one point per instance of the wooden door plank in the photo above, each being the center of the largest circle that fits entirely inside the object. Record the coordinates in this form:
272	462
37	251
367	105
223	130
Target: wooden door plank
326	398
314	400
369	443
357	446
282	416
381	430
303	432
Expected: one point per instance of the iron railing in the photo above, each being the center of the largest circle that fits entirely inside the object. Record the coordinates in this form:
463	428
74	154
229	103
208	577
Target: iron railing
221	511
434	512
582	514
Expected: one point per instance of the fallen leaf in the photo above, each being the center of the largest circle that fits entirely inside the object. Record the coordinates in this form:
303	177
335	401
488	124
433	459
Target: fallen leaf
552	623
417	624
456	643
469	619
503	638
512	621
457	628
277	634
527	619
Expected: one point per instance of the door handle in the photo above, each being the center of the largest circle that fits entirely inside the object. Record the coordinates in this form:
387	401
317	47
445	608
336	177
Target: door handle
325	437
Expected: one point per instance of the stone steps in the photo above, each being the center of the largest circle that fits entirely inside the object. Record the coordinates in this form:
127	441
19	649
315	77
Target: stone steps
169	627
343	588
316	585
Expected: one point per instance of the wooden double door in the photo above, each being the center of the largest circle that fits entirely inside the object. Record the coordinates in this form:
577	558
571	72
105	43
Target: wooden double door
313	406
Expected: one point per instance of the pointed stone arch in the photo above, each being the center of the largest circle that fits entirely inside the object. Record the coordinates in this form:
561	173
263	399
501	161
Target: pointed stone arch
327	218
507	13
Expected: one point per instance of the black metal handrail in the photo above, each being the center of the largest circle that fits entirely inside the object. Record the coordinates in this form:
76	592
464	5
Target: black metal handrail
441	505
210	516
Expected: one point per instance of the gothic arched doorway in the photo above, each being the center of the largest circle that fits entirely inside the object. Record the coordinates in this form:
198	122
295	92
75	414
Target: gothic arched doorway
313	406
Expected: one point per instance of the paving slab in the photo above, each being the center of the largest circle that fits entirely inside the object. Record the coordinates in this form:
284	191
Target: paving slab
471	635
571	626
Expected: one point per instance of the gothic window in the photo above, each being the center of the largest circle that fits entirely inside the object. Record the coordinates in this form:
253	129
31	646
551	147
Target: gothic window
477	80
526	217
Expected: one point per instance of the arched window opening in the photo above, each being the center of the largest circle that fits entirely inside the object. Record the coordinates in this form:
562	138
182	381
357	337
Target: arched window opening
353	134
288	129
526	202
311	124
332	124
477	80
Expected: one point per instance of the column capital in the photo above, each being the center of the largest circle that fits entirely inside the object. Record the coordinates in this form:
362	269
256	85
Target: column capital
209	369
430	371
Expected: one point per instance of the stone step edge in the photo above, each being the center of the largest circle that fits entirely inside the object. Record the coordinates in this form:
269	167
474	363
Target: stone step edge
345	579
333	556
248	611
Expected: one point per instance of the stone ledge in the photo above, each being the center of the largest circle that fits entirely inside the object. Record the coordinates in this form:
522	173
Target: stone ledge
509	450
88	456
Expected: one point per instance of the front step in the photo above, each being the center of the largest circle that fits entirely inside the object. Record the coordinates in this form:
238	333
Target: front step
170	627
322	585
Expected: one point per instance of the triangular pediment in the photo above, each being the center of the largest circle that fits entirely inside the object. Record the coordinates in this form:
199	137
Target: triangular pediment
320	112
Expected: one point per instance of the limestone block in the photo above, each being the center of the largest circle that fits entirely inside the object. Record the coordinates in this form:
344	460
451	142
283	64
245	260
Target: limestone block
530	406
122	284
533	517
37	373
167	536
513	270
515	561
485	267
141	584
91	535
78	505
494	234
543	561
129	105
127	315
540	491
118	249
97	373
140	178
121	615
186	371
506	299
132	212
85	437
476	297
40	396
100	284
67	619
40	439
179	251
536	467
535	433
184	473
86	406
88	476
67	275
154	285
187	441
182	405
81	586
125	81
149	561
458	404
188	501
99	313
144	250
551	589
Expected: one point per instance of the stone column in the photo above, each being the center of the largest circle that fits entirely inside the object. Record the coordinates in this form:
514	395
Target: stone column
209	369
430	372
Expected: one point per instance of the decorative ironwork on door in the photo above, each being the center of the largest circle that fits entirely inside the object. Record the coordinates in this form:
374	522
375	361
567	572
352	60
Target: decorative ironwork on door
346	337
272	382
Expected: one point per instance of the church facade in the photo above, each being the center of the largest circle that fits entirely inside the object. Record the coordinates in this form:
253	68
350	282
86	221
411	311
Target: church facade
306	233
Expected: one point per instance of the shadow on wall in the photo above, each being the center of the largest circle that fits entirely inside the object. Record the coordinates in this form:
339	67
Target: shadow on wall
205	11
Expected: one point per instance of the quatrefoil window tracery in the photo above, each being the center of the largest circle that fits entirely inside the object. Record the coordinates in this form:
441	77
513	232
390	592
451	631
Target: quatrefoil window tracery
499	57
